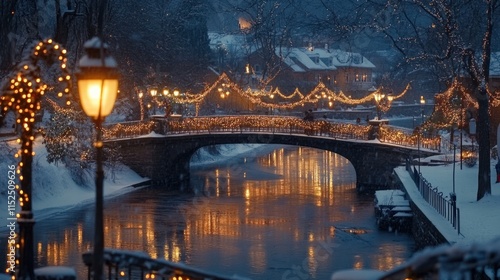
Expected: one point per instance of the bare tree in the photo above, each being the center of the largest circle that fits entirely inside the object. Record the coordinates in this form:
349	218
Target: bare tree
18	29
269	27
439	32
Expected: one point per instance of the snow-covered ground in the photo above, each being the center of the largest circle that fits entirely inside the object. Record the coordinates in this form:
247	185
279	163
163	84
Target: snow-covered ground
479	220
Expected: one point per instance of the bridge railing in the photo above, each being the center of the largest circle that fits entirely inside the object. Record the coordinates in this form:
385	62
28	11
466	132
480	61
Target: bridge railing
273	124
405	137
128	129
446	207
123	264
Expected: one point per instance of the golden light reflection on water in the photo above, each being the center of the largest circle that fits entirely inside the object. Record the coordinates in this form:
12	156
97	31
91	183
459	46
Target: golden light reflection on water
242	208
58	253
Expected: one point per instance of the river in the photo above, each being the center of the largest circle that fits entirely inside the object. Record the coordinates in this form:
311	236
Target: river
284	213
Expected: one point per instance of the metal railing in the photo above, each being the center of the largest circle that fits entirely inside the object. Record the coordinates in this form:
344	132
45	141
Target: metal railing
272	124
445	207
121	264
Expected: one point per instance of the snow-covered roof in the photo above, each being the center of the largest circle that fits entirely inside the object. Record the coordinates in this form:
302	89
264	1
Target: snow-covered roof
225	39
304	59
300	60
350	59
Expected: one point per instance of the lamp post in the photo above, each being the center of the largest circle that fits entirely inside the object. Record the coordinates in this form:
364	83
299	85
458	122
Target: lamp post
98	87
378	98
168	106
472	131
176	95
154	92
422	103
141	104
417	129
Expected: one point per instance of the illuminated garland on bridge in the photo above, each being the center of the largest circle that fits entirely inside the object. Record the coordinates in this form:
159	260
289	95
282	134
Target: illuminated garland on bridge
274	124
396	136
128	129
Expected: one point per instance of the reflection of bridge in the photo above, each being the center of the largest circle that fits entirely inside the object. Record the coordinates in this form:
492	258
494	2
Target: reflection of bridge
164	155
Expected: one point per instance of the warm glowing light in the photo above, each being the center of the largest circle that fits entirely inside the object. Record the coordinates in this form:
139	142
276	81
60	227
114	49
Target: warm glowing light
95	103
153	92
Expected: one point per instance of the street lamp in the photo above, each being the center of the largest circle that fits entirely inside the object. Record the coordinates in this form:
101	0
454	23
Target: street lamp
176	95
154	92
98	87
141	104
422	103
378	98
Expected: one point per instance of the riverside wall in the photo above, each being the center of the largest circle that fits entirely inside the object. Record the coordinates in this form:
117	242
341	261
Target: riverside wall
423	230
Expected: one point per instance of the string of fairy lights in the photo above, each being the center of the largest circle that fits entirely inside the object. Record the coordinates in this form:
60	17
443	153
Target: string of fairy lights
130	129
22	95
450	107
224	86
275	124
396	136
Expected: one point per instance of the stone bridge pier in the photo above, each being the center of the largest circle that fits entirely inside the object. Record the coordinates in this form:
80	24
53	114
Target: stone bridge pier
165	160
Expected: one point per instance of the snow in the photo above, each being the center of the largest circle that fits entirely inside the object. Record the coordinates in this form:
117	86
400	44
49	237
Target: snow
352	274
390	197
478	219
63	271
55	191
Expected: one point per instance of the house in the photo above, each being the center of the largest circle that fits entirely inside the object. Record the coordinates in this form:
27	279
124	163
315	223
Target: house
304	68
495	71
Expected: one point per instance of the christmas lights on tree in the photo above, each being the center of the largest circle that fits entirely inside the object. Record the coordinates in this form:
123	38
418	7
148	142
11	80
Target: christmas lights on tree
22	94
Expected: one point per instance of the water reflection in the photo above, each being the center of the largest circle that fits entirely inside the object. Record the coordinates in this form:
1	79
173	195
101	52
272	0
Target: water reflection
291	213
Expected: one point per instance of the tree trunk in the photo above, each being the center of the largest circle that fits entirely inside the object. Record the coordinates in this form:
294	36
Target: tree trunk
483	138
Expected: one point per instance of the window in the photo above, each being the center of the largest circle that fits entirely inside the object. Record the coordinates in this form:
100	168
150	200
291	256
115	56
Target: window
364	78
257	69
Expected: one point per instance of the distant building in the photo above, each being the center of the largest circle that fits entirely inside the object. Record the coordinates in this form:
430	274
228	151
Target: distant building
495	71
304	68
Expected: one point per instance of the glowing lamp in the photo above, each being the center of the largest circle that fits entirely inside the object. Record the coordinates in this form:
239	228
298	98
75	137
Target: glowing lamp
97	80
153	92
422	100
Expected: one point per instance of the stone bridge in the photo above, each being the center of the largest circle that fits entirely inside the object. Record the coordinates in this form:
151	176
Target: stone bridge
166	158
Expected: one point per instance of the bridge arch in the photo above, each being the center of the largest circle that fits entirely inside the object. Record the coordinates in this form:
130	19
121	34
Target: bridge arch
166	159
